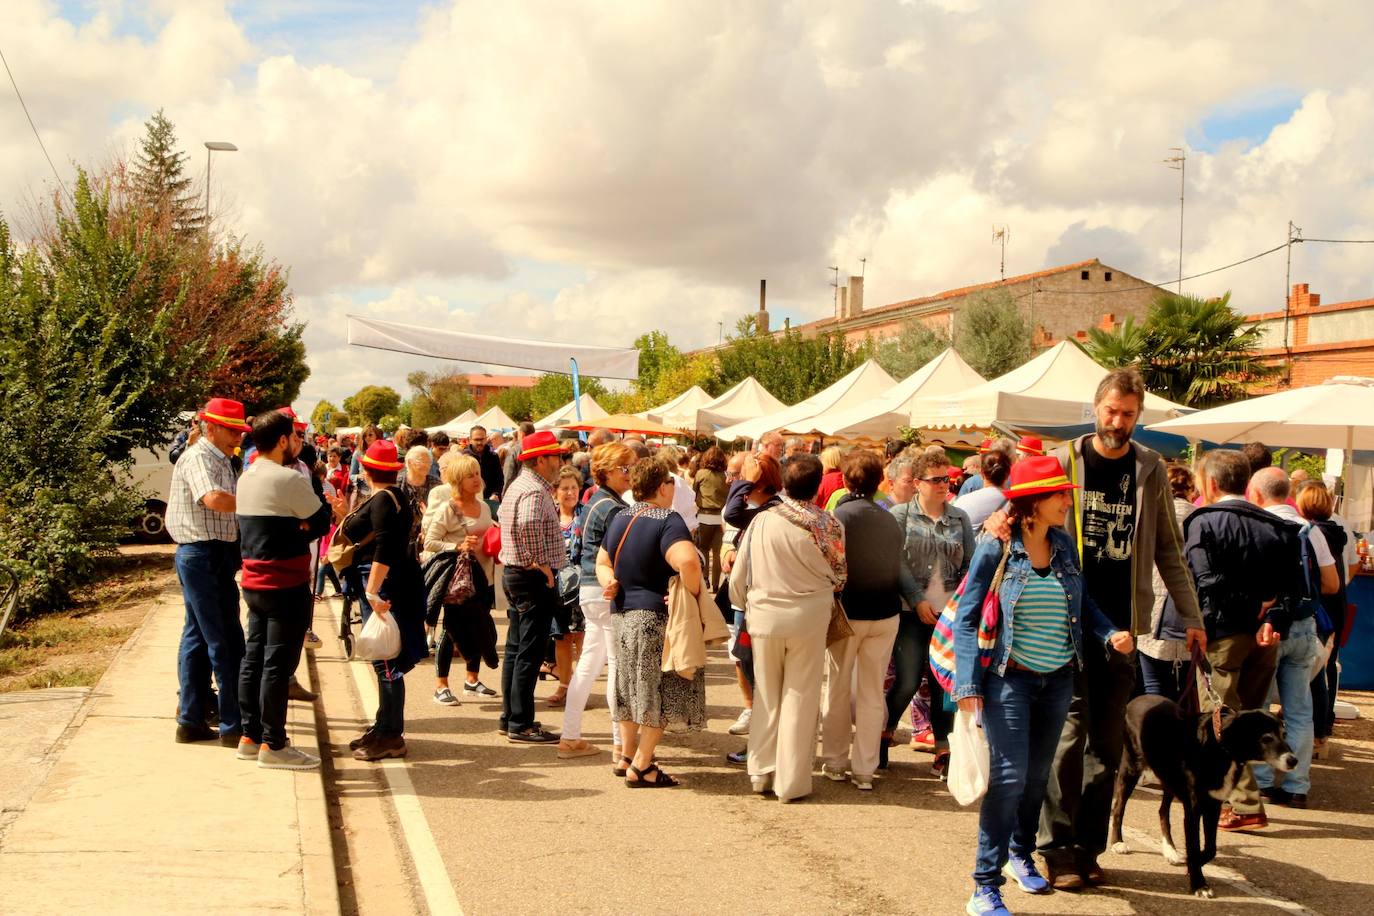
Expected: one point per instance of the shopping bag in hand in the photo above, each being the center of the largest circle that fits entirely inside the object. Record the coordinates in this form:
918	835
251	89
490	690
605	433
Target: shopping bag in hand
968	759
380	639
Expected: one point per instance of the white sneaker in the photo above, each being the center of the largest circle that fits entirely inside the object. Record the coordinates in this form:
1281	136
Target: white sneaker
863	782
288	758
833	773
741	726
761	784
444	697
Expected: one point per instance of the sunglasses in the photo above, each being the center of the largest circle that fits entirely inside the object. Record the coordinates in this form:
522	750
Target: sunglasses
944	479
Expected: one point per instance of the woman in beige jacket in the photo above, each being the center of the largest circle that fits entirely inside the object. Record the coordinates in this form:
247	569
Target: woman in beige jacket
790	564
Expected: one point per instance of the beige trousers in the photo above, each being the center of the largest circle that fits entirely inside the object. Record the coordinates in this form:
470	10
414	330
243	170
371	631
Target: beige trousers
787	701
855	669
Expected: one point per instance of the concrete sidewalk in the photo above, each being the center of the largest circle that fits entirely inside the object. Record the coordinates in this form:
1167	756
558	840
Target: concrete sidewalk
128	820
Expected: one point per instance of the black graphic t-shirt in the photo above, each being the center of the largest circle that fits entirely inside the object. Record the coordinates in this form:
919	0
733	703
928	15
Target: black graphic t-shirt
1108	531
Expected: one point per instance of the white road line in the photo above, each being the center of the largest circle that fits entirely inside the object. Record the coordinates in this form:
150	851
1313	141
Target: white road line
424	853
1221	873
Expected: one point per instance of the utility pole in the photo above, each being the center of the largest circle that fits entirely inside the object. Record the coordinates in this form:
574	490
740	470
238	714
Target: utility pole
836	284
1294	235
1002	235
863	268
1179	162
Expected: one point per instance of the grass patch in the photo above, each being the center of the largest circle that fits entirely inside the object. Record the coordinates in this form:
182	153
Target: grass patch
62	676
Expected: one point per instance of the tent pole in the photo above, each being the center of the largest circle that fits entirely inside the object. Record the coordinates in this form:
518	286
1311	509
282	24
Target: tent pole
577	396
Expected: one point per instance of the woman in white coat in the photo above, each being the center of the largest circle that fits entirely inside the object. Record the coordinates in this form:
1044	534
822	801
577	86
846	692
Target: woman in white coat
790	564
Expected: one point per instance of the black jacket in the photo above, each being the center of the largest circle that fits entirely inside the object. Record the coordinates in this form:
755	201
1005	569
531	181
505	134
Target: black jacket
493	478
1240	556
873	550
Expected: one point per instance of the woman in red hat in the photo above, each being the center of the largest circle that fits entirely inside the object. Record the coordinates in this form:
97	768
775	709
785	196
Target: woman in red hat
1023	688
394	586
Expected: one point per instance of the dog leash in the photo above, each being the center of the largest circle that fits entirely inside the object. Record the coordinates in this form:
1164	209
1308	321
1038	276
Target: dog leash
1202	672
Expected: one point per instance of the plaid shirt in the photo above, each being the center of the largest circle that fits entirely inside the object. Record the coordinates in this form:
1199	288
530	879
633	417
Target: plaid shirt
530	532
201	470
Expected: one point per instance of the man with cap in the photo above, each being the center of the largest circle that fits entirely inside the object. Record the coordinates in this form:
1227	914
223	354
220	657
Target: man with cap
974	481
200	518
532	552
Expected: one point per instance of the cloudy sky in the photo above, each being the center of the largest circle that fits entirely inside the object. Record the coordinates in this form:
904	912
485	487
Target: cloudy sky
589	171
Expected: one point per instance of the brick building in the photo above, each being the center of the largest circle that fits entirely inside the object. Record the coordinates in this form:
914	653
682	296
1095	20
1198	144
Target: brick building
485	388
1057	303
1323	340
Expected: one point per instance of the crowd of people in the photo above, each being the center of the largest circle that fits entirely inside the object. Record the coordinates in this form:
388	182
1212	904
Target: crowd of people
830	569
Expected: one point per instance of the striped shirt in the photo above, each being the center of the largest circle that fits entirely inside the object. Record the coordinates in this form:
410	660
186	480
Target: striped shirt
1040	637
201	470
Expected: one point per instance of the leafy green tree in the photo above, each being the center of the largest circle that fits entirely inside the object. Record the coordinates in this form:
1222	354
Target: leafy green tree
1198	352
790	365
325	417
991	335
159	175
516	403
656	357
372	402
437	397
913	346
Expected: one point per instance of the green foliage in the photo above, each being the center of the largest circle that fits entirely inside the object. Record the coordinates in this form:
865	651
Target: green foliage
656	358
516	403
370	403
325	417
552	391
274	361
791	366
389	423
1292	459
914	346
1195	351
991	335
438	397
159	175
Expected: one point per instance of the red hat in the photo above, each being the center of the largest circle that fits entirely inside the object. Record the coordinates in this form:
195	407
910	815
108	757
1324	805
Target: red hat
224	412
1029	445
296	421
381	456
540	443
1037	474
986	445
955	473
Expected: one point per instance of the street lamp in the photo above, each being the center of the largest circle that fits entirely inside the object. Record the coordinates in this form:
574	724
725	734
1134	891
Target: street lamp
1179	162
212	147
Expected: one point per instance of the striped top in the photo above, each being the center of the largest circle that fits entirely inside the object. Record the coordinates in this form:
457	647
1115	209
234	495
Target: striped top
1040	637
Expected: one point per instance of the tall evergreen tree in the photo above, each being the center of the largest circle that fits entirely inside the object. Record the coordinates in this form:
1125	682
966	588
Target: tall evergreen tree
159	175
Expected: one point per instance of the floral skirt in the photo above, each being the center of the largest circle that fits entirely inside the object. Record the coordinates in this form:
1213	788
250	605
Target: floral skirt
644	693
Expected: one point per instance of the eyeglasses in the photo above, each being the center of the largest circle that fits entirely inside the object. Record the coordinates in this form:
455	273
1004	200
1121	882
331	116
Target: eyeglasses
936	480
624	469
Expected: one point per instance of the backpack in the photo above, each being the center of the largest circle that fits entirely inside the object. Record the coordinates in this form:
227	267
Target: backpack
1310	603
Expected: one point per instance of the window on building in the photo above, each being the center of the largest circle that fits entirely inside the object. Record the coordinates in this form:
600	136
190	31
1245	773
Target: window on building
1107	276
1083	275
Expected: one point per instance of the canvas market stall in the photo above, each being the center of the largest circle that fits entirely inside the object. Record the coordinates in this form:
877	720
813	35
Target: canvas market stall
625	423
494	420
457	427
745	400
880	416
863	383
569	413
681	412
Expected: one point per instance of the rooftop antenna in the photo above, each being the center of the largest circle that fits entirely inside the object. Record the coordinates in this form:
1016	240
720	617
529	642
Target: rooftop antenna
836	284
1179	162
1002	235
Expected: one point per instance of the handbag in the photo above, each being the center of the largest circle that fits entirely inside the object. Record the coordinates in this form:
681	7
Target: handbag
491	541
460	584
941	654
341	546
839	628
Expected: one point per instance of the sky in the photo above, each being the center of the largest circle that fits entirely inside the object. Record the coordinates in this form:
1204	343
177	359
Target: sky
588	171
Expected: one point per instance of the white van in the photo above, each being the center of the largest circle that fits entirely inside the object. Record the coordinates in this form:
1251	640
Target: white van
151	473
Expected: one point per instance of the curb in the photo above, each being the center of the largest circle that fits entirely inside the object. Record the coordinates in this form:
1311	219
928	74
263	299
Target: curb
319	871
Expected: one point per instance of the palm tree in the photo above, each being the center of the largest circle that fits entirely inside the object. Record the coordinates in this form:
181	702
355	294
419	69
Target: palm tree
1124	346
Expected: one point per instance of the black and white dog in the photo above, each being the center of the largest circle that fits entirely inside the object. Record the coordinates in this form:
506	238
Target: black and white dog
1197	758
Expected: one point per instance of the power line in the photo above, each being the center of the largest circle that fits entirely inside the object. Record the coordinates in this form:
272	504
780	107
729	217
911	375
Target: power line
1340	241
1132	289
32	126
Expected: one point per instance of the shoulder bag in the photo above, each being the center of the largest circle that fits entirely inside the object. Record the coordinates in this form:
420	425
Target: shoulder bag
341	546
941	655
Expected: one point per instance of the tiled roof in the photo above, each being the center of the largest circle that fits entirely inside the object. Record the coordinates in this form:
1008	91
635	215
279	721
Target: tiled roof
476	379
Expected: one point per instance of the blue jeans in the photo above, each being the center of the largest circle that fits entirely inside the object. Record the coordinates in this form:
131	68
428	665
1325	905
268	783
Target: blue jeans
1023	716
1162	678
212	637
532	601
910	653
391	675
1297	651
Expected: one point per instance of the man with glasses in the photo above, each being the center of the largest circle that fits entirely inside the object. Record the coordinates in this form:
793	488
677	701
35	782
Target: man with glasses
492	477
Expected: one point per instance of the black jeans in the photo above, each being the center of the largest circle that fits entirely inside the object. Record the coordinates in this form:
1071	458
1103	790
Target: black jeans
532	603
1324	695
277	620
1078	800
910	653
443	658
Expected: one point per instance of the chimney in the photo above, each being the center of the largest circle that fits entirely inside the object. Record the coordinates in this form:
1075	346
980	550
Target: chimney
841	304
761	322
856	296
1301	300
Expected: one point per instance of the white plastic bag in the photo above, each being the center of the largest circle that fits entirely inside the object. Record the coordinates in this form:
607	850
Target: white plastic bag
968	760
380	639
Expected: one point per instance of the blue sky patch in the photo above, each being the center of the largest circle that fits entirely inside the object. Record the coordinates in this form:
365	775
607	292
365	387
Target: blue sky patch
1249	121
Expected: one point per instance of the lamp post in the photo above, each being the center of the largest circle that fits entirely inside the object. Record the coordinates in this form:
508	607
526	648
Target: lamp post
1180	162
212	147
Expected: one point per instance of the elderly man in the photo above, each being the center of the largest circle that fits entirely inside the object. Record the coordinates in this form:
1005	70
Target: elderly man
772	444
532	552
200	518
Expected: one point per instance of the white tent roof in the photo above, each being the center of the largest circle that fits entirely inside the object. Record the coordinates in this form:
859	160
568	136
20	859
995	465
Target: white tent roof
1336	414
568	414
458	426
745	400
494	419
863	383
1054	389
946	374
681	411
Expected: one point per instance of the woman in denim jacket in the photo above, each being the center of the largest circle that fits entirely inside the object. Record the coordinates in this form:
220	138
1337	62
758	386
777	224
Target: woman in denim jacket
937	545
1024	694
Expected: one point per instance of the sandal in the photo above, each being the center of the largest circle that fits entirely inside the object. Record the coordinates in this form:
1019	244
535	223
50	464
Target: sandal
558	699
661	781
619	770
547	670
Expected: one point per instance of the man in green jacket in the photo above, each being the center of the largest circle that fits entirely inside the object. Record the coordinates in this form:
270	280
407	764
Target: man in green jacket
1123	526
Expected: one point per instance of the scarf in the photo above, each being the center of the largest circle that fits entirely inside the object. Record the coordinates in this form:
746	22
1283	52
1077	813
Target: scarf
823	527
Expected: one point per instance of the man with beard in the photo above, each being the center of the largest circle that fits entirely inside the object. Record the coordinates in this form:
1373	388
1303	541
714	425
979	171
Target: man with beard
488	462
1124	527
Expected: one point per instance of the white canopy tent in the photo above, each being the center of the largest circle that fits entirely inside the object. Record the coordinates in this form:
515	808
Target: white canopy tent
745	400
1055	389
862	384
567	414
494	419
946	374
544	356
681	411
458	426
348	431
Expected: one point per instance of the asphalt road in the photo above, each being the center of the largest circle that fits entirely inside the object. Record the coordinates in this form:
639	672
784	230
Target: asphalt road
519	831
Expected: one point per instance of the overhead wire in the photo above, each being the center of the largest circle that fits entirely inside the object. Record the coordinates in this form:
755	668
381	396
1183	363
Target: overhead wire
41	145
